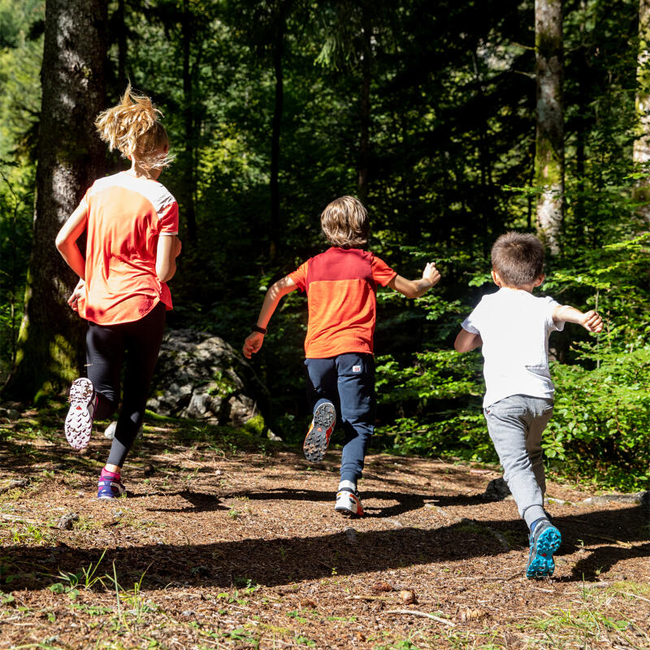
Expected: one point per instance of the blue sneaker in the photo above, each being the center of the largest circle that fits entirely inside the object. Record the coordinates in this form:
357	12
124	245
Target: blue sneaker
110	488
544	541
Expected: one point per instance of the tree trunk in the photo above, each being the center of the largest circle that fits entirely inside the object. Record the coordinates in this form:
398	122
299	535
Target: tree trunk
642	143
364	140
70	157
549	151
278	51
122	46
189	166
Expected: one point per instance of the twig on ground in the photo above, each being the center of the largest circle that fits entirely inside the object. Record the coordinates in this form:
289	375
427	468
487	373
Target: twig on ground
423	614
625	593
609	539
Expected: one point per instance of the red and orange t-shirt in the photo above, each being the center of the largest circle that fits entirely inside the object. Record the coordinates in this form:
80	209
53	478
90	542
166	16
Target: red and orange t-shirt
126	215
340	285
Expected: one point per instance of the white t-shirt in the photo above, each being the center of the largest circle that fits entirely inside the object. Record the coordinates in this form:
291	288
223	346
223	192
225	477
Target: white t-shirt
514	326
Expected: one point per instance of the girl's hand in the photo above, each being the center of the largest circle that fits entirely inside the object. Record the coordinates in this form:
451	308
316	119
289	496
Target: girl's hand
78	292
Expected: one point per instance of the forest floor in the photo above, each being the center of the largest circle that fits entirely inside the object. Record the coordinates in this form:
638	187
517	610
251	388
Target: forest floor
226	541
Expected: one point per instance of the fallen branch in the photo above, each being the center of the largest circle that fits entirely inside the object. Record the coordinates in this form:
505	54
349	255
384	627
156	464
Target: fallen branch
423	614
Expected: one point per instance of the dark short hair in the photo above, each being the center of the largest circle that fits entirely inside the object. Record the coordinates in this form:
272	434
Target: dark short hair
345	223
518	258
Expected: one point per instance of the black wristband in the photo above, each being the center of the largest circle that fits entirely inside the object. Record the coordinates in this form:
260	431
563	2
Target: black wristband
257	328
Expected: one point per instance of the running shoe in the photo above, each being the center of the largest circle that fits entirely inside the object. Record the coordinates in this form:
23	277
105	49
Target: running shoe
348	504
79	421
110	488
318	436
544	541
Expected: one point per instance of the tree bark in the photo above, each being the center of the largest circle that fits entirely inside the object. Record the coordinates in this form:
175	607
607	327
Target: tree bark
364	140
122	46
70	157
641	150
278	52
549	150
189	158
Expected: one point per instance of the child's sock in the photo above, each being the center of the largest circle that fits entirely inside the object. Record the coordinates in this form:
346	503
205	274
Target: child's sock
348	485
537	521
113	476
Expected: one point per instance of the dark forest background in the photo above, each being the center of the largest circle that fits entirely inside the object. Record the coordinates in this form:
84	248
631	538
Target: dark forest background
430	112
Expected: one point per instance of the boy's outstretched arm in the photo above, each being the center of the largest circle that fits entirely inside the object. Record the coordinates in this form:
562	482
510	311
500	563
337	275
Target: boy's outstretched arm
273	296
466	341
416	288
590	320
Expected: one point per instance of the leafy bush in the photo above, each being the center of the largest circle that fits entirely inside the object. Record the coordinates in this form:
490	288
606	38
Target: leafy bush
601	423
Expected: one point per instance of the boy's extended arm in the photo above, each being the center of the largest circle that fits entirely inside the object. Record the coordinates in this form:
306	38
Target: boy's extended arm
416	288
282	287
590	320
466	341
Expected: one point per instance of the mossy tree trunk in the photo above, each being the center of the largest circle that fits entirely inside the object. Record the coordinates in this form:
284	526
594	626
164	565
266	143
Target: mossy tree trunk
70	157
549	149
642	142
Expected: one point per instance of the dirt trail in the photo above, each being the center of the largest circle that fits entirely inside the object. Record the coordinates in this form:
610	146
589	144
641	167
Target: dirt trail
217	547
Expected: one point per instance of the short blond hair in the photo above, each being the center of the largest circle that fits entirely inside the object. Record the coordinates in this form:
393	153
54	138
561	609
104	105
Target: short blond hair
133	128
345	223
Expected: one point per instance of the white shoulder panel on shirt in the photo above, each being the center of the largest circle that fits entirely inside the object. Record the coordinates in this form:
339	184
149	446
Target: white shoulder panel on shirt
156	193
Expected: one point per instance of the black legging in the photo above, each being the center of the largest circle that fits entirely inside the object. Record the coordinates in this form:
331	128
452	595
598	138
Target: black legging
106	345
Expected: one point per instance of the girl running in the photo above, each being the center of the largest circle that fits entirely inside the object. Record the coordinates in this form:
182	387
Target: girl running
131	226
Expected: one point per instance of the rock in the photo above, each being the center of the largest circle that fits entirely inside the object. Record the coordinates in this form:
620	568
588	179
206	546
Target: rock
407	596
66	522
200	376
14	483
638	497
497	490
351	535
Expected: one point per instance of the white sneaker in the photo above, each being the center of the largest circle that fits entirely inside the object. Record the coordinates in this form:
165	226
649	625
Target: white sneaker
109	432
79	421
348	504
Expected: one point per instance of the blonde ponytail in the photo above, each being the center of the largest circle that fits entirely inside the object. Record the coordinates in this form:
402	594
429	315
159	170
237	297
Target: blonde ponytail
132	127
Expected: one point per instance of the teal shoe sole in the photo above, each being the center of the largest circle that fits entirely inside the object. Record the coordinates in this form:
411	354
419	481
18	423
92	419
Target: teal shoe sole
541	563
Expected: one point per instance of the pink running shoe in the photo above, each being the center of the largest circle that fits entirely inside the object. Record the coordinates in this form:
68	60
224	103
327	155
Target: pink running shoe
79	421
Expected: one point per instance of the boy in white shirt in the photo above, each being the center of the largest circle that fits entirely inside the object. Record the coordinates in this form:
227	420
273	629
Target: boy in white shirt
513	327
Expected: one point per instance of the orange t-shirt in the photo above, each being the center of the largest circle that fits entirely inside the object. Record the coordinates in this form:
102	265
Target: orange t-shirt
126	215
340	285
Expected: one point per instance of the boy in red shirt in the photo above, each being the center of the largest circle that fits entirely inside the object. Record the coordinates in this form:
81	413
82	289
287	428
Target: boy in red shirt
340	285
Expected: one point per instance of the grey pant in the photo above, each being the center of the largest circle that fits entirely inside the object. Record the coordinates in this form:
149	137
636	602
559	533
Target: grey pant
516	424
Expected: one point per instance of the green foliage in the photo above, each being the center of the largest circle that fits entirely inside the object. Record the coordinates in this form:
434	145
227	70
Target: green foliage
601	422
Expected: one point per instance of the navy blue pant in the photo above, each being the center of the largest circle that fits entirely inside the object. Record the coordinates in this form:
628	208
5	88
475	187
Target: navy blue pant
348	381
106	347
